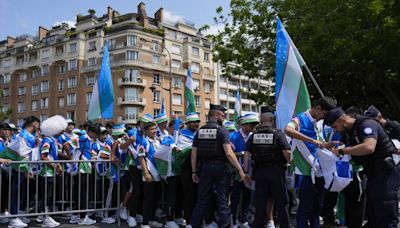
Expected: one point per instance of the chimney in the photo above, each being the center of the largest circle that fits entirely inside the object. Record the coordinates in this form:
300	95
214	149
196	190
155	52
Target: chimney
10	41
110	13
159	15
42	32
143	15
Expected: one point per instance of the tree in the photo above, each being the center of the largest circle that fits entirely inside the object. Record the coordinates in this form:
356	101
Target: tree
351	47
92	11
3	115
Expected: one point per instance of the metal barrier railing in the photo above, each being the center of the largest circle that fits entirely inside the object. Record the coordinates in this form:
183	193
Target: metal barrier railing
65	194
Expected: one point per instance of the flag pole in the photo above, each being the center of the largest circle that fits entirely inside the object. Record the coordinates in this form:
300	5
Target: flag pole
313	80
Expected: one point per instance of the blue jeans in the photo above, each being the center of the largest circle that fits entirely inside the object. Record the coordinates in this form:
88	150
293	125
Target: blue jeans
212	177
311	201
18	187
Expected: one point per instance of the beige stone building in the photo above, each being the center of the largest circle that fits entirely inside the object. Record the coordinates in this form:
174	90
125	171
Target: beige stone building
54	72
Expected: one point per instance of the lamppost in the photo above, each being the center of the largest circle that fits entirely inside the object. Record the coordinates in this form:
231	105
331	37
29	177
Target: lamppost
170	75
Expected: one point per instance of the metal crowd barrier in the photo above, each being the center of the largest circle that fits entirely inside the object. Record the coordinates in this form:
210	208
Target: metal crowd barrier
62	191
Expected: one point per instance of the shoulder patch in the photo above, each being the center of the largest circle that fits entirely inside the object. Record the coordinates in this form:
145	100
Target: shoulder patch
367	130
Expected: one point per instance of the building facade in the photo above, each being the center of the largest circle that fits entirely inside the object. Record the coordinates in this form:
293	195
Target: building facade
54	72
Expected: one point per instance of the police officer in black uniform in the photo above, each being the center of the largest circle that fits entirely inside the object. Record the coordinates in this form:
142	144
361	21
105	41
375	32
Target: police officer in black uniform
392	127
270	152
370	146
210	152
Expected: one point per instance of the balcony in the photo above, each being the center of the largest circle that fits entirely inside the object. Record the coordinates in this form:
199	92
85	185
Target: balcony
128	118
132	82
209	77
131	101
138	63
90	68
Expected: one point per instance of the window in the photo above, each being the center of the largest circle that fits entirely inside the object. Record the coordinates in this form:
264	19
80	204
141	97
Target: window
44	103
21	107
44	86
197	101
132	55
73	64
72	47
156	59
132	75
90	80
61	69
34	105
71	99
22	77
206	71
195	51
132	40
207	87
176	63
156	112
21	91
72	82
43	117
7	78
45	70
7	63
6	92
157	96
176	49
195	67
207	103
196	84
20	121
177	81
36	73
177	113
88	97
131	113
223	79
131	94
92	46
71	115
154	45
35	89
6	107
61	85
92	61
113	44
45	54
206	57
177	99
156	79
223	91
61	102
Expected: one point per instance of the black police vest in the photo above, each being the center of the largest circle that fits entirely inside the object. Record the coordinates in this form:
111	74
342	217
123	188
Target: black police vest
208	147
265	149
391	127
384	145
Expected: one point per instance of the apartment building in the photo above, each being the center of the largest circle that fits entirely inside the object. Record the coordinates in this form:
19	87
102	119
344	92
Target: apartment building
54	71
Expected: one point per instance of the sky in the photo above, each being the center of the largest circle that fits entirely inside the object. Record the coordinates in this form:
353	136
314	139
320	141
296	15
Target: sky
19	17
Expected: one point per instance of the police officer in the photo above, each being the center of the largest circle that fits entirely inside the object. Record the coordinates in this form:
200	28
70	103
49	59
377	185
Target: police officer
370	146
212	149
392	127
270	152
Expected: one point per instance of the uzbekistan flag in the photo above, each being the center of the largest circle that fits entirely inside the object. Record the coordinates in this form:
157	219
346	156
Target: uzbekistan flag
238	106
189	93
291	94
18	150
102	100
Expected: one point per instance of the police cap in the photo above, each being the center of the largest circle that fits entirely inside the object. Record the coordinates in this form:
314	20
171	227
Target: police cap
217	107
372	112
333	115
265	109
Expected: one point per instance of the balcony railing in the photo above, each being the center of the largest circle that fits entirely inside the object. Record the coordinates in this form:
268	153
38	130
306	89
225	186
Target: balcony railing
131	101
126	81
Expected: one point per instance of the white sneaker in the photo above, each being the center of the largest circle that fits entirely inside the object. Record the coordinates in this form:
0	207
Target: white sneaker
40	218
25	220
5	220
145	226
74	219
124	214
87	221
132	221
16	223
50	222
212	225
171	224
270	224
180	221
108	220
139	218
245	225
155	224
159	213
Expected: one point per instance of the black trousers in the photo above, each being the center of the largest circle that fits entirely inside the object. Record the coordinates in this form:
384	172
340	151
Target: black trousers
136	200
81	192
4	191
189	193
174	191
271	179
328	214
149	201
354	202
46	188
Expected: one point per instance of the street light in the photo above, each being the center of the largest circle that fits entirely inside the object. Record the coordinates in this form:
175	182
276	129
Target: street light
170	74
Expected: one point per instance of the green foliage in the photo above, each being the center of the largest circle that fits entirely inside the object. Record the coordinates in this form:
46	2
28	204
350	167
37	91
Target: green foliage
92	11
351	47
3	115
